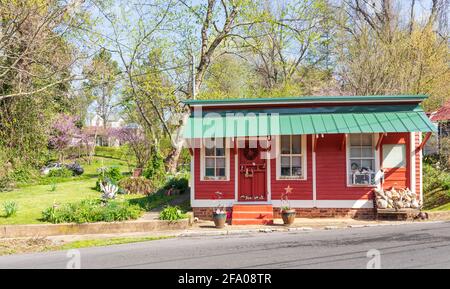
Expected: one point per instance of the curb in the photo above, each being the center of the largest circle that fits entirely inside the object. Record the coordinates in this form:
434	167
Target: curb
44	230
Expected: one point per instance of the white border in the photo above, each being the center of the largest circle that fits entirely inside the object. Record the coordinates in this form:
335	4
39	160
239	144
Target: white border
304	156
314	168
192	180
227	163
412	162
377	160
421	170
344	204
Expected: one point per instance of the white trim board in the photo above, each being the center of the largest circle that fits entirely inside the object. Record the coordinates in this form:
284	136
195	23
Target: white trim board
339	204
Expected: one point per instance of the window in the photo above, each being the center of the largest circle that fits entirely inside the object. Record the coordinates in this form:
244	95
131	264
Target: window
361	162
291	157
394	156
214	167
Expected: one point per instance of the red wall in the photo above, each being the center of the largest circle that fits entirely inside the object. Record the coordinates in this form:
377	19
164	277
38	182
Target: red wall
207	189
302	189
332	171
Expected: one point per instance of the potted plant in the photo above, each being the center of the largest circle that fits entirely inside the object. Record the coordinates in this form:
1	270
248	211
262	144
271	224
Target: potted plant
219	213
287	213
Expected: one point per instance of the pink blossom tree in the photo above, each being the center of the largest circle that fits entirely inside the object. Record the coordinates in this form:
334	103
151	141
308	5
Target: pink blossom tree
64	133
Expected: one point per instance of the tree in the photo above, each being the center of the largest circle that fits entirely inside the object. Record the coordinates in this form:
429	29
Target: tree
64	130
102	85
380	55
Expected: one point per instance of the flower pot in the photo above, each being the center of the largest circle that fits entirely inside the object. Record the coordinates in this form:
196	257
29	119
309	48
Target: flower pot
220	219
288	216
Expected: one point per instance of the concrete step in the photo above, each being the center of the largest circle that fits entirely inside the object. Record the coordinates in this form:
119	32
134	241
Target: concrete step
253	208
251	222
252	215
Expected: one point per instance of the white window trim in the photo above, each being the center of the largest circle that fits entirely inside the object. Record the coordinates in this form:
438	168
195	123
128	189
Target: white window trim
376	160
304	156
227	164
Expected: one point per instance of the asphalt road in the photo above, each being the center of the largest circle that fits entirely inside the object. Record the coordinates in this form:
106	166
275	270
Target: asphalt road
421	245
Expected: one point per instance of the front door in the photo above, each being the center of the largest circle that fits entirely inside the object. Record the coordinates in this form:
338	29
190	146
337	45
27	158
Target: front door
252	175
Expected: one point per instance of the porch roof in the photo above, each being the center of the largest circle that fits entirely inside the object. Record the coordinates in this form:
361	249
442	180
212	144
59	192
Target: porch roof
312	120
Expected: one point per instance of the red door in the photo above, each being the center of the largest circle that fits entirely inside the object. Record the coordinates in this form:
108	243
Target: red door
252	175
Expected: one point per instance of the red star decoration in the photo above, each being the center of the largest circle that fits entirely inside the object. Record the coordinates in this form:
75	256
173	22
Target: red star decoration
288	189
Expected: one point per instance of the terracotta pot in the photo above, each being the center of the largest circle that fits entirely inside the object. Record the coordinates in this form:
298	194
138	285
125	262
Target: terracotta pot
220	219
288	216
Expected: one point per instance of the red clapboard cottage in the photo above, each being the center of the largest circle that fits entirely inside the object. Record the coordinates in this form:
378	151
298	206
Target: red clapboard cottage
329	153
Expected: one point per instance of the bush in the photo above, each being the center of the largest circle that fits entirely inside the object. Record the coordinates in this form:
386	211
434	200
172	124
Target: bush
138	185
60	173
89	211
171	214
111	174
178	182
10	208
434	178
155	170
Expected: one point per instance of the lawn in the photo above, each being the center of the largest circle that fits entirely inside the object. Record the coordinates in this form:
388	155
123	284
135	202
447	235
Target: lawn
33	199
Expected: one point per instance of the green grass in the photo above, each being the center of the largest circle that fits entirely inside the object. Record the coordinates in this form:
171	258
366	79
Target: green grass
445	207
108	242
33	199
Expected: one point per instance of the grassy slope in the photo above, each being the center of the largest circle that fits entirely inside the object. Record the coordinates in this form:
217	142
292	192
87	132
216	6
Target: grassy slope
32	200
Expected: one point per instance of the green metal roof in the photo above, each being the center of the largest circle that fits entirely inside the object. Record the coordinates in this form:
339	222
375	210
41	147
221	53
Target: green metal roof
307	99
323	120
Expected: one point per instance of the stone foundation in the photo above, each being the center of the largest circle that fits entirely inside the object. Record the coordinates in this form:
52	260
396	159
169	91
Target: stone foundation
205	213
330	213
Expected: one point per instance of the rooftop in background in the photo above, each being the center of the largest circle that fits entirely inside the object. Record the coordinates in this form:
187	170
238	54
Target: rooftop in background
308	100
442	114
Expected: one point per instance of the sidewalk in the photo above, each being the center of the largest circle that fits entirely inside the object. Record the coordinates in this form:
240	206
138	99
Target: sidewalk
207	228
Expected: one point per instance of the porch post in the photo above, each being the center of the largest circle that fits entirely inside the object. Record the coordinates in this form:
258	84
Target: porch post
314	181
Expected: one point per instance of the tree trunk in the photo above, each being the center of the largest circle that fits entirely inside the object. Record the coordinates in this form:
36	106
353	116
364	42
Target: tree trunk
173	158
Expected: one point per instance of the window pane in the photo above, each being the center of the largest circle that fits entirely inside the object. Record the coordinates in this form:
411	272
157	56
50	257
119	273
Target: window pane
296	161
209	151
355	152
355	139
394	156
209	172
220	152
296	144
355	165
209	162
220	172
296	171
285	161
285	171
366	139
367	165
285	144
220	162
367	152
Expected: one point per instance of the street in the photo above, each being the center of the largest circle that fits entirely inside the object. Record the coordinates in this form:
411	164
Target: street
419	245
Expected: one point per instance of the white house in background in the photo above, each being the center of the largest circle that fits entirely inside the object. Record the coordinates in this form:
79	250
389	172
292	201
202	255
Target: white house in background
94	127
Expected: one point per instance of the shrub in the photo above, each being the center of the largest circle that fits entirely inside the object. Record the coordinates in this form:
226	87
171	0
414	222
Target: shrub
138	185
60	173
171	214
111	175
10	208
88	211
434	178
155	170
178	182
